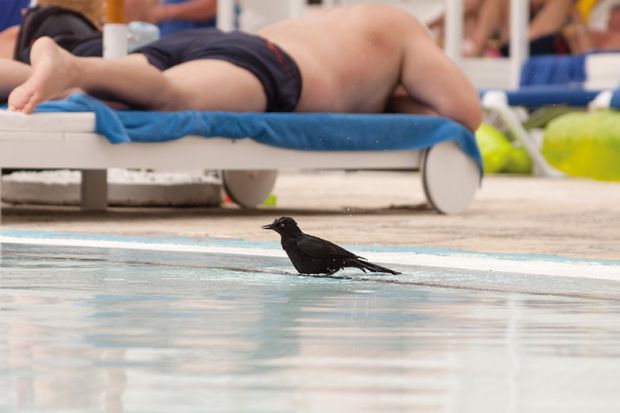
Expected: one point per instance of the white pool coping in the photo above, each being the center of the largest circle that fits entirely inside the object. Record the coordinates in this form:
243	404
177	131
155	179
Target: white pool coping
523	264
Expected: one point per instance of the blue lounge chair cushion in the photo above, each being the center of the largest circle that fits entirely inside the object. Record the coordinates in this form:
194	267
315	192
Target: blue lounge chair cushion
310	131
615	99
553	70
536	96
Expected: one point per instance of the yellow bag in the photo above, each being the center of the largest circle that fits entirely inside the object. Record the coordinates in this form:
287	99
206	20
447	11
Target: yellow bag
585	144
498	154
494	148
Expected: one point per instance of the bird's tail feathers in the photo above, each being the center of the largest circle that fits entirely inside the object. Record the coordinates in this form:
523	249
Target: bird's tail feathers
369	266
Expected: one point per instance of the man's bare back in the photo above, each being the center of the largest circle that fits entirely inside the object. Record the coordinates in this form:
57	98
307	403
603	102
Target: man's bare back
338	53
353	59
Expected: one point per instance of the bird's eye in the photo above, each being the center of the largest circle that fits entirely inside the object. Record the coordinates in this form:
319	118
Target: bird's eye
282	225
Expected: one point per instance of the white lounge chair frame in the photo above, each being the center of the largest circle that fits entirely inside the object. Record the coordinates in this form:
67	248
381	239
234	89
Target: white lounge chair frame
67	140
496	102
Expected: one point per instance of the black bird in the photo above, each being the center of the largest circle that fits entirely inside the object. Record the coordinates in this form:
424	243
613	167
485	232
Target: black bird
313	255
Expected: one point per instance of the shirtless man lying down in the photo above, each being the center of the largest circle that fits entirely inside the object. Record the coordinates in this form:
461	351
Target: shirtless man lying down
359	59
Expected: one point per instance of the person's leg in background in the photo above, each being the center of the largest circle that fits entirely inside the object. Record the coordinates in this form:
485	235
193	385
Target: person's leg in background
552	16
491	20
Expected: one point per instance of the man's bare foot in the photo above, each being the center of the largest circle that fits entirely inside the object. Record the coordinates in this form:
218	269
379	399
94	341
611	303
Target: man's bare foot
53	72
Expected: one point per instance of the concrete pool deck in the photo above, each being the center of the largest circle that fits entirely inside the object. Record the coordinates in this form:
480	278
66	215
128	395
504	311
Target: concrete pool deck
574	218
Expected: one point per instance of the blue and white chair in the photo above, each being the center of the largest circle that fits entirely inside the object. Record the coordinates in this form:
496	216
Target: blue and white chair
581	81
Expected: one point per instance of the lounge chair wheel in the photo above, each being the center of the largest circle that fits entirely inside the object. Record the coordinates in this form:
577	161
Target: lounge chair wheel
450	178
249	188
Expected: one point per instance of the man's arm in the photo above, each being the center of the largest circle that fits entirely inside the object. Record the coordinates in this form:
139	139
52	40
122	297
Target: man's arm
436	82
401	102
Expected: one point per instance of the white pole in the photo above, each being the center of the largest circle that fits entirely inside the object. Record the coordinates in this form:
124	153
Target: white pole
454	29
114	30
226	15
296	8
519	44
94	186
114	40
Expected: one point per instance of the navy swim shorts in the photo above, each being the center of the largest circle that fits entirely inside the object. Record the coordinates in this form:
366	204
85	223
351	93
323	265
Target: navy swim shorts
276	70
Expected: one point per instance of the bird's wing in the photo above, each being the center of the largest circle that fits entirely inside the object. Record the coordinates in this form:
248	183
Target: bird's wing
320	248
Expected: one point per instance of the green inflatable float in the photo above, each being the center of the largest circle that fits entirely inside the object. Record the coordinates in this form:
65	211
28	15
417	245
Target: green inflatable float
585	144
498	154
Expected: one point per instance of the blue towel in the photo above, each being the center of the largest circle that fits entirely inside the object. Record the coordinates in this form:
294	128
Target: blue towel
309	131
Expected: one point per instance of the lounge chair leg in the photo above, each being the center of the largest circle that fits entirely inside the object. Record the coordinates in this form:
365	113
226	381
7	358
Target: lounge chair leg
450	178
497	102
94	190
249	188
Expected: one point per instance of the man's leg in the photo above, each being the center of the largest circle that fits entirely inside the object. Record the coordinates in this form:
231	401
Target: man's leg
12	74
200	84
216	85
55	70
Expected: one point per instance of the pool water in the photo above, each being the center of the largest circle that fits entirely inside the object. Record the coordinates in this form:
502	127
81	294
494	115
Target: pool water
107	330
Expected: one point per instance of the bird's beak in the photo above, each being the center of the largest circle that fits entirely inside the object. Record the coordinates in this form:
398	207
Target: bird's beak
270	226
